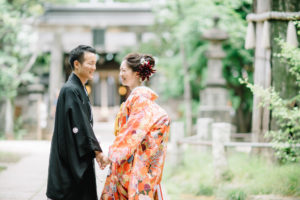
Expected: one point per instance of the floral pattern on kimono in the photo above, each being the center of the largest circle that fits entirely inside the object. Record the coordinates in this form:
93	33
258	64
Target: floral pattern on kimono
139	149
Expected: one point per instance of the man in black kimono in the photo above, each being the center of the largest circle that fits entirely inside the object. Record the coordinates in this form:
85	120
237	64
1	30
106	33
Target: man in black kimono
71	174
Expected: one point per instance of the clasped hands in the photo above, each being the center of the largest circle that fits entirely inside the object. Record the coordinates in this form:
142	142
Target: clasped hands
102	160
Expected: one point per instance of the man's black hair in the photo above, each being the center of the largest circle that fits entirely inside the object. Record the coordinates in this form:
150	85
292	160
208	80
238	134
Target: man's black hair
78	54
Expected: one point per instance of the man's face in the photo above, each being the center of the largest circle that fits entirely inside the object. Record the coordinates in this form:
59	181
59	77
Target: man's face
85	70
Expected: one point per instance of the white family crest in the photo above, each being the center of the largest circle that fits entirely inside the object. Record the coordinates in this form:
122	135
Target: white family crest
75	130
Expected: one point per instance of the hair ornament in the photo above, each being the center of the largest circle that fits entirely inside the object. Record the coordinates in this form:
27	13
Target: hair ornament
145	69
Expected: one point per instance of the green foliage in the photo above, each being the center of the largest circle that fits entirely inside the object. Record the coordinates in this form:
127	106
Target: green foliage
227	176
287	119
194	176
2	136
14	44
42	64
205	190
298	25
7	84
250	176
8	157
131	1
285	111
16	55
290	55
183	22
236	194
2	168
16	34
19	131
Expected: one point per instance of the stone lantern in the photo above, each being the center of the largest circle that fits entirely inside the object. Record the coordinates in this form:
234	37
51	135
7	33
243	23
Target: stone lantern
214	98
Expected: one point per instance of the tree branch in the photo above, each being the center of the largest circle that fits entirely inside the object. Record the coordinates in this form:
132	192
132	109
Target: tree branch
28	66
30	63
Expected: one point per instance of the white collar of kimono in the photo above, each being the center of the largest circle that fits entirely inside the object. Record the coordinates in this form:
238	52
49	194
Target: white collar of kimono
145	92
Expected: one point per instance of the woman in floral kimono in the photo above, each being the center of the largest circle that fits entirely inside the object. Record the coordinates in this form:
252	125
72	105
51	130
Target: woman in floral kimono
138	152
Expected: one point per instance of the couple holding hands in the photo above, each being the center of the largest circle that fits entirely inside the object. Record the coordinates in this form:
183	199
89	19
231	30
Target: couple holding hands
136	157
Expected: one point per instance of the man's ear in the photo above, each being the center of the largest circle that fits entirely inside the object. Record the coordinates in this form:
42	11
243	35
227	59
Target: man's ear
76	64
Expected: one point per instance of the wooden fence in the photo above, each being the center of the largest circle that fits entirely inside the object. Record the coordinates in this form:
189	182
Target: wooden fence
215	135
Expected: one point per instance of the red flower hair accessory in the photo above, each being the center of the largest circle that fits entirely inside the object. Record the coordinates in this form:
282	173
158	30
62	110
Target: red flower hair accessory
145	69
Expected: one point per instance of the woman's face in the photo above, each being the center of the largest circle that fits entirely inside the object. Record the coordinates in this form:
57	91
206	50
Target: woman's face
128	77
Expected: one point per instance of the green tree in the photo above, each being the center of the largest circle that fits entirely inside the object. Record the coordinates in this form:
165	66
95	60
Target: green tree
180	24
16	56
285	109
282	80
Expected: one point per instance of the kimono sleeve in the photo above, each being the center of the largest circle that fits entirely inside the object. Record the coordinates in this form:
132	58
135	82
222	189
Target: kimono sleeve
133	132
79	128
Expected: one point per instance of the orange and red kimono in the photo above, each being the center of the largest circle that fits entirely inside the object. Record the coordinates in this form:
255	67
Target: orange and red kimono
139	149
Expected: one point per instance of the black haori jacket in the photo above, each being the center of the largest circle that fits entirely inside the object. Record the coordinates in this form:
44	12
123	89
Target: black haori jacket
71	172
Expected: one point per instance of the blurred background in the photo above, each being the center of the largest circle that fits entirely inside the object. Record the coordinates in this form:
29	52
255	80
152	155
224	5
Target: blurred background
228	74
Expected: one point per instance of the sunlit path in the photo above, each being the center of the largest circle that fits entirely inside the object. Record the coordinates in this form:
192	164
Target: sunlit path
27	179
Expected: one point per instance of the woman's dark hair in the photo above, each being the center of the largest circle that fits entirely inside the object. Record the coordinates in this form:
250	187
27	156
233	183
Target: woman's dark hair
141	63
78	54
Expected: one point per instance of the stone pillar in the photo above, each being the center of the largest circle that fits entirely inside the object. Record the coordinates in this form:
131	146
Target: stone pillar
214	98
2	114
33	124
104	102
176	134
104	98
56	75
262	77
139	36
9	125
220	135
118	98
204	131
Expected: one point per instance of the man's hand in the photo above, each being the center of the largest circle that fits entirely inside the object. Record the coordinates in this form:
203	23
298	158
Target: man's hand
102	160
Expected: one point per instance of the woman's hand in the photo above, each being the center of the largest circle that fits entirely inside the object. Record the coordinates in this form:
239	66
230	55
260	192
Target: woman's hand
102	160
106	161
